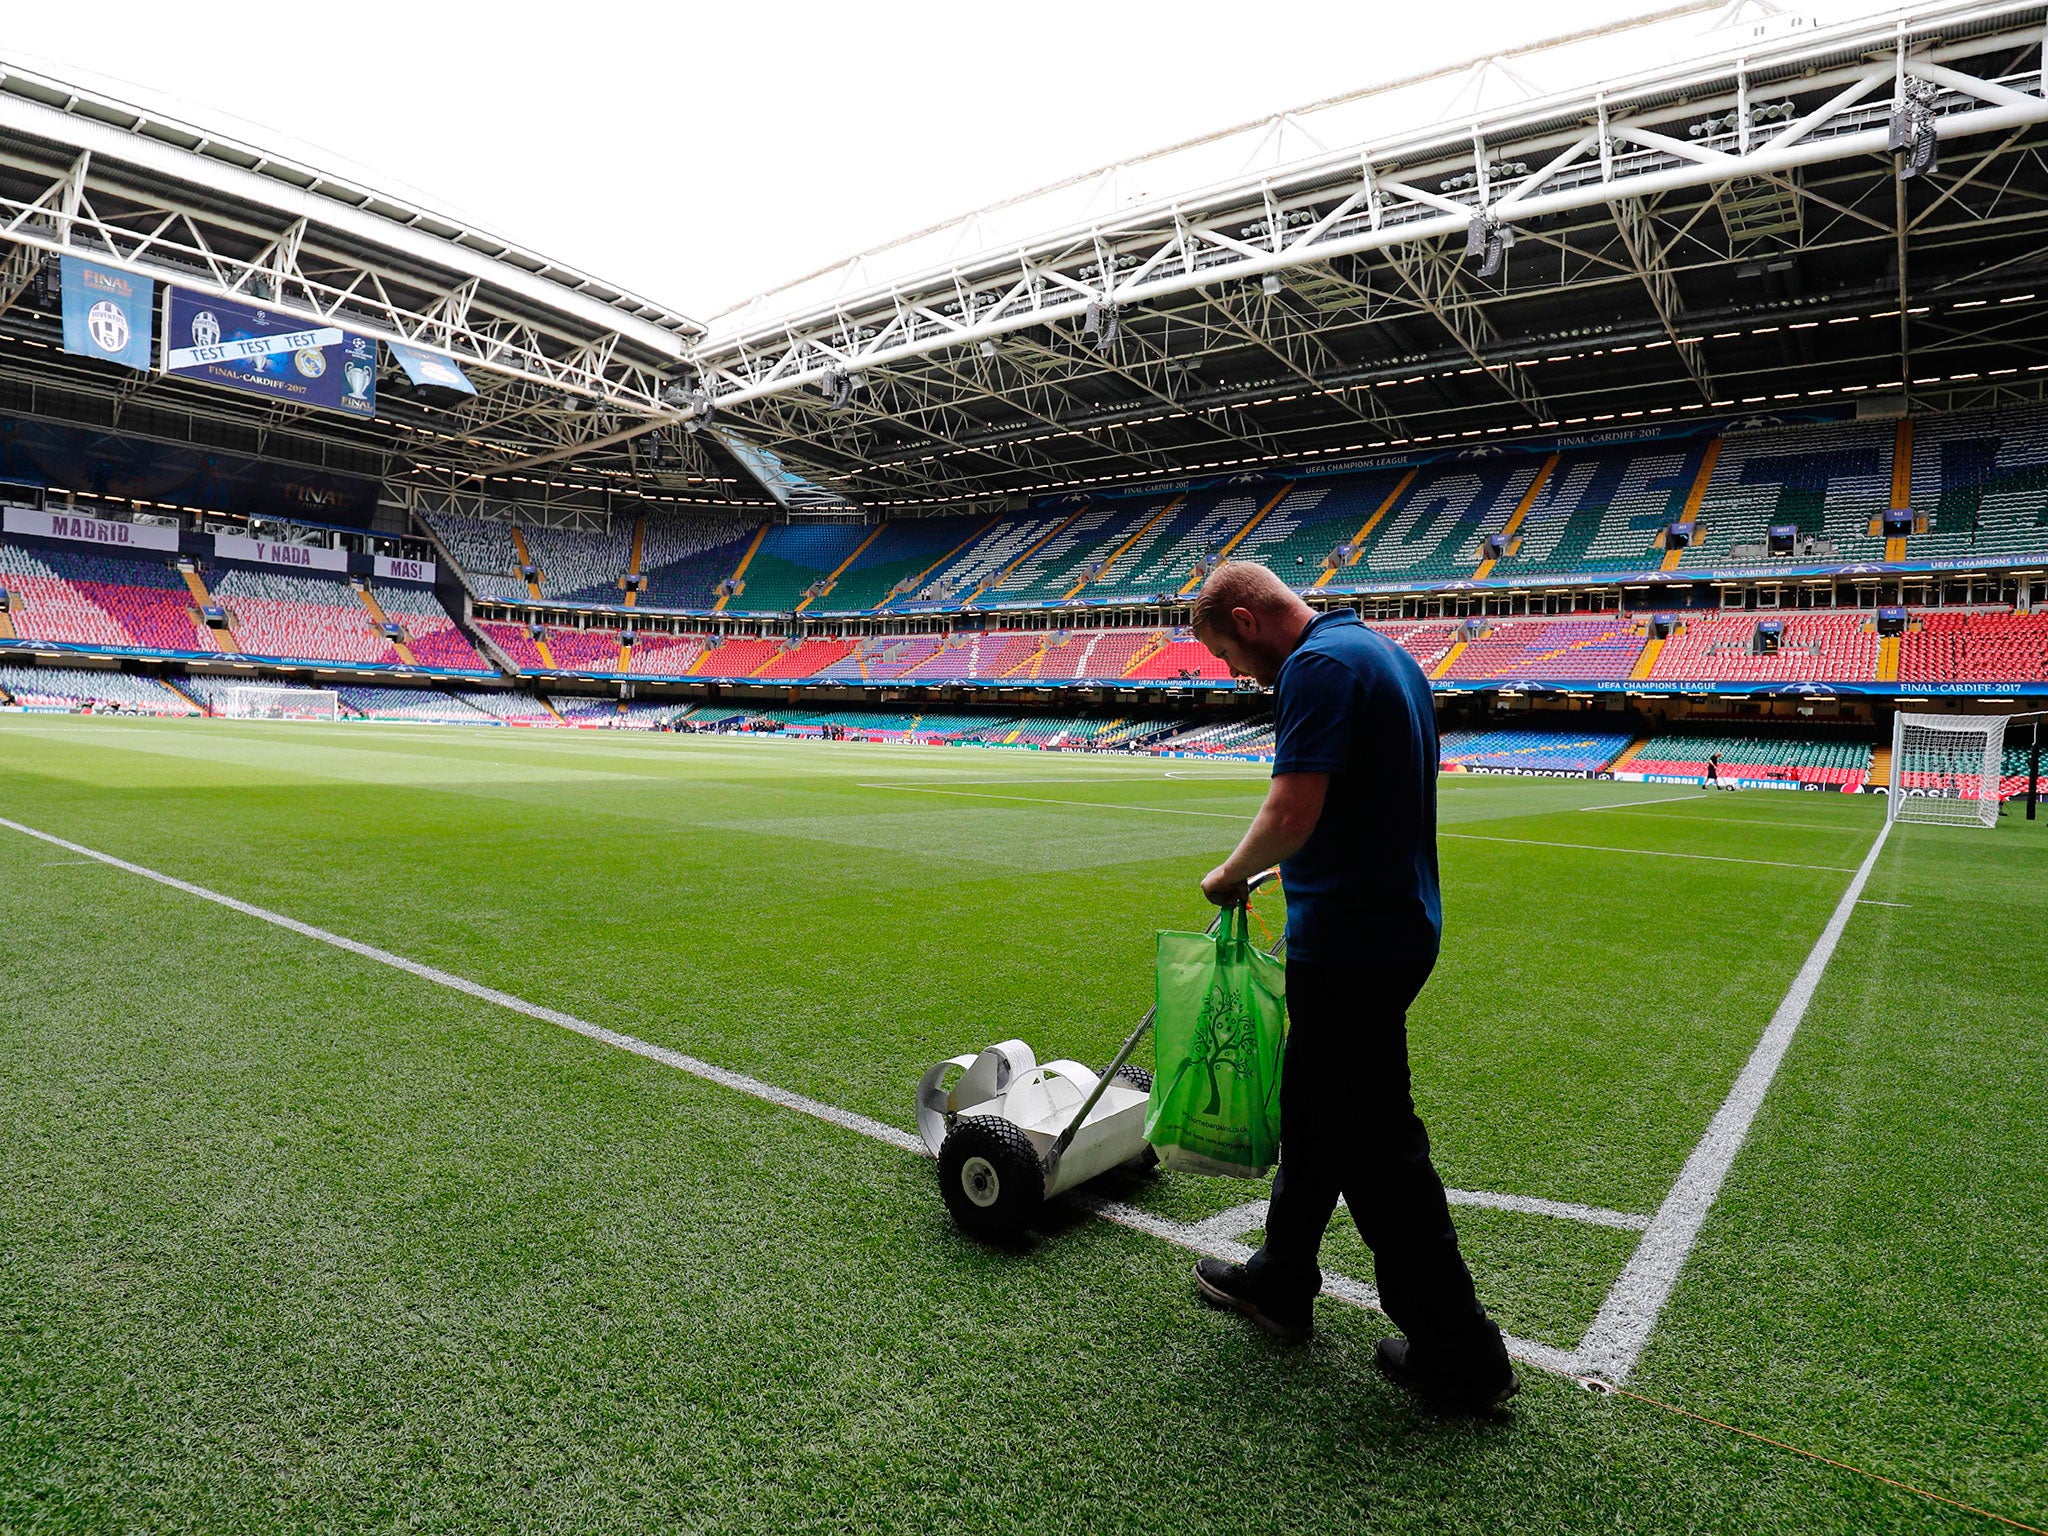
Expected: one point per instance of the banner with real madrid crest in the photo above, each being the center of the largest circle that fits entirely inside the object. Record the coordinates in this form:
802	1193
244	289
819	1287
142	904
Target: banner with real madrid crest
244	347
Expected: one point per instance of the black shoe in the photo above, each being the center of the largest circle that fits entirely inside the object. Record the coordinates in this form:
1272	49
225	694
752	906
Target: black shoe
1395	1358
1224	1284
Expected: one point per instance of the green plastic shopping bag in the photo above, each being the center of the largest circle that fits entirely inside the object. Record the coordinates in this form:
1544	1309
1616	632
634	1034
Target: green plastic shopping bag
1220	1022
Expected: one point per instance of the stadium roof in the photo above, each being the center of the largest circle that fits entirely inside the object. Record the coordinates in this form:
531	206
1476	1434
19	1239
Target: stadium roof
1699	211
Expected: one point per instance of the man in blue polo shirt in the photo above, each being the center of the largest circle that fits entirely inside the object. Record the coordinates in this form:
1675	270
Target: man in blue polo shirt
1350	818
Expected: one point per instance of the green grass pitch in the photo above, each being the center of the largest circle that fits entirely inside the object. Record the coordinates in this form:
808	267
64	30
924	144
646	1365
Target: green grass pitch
293	1241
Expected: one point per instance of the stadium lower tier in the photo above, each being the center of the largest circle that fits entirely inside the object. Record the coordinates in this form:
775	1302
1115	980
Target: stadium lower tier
154	605
1833	764
1740	649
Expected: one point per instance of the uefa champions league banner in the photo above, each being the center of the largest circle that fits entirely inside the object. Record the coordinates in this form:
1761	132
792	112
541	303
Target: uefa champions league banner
107	312
239	346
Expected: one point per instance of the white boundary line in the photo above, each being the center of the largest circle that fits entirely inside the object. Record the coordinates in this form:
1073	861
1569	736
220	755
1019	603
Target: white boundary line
1615	1342
1622	805
1642	853
1182	1234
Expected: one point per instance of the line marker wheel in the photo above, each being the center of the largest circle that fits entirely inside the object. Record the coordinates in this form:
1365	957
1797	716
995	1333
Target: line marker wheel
990	1178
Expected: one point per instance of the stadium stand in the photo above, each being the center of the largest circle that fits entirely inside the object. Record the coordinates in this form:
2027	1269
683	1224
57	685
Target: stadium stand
1981	482
1827	481
427	705
1533	750
1435	530
584	650
1312	528
1813	648
1234	738
1073	655
83	597
900	552
73	687
300	617
1162	559
657	655
516	643
1428	642
509	707
482	550
685	558
1834	764
581	565
1576	649
1981	646
1064	563
434	638
581	708
1179	657
1600	511
791	561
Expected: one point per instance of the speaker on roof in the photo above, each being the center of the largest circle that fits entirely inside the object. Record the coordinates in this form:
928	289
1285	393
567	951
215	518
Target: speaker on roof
1891	620
1898	522
1782	537
1679	535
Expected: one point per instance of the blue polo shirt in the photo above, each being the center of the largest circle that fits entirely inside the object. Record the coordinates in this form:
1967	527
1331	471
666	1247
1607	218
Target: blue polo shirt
1363	889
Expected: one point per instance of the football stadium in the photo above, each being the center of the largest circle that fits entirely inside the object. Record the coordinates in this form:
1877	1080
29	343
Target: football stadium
531	823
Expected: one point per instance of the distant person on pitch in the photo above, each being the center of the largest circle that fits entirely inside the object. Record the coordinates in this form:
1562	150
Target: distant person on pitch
1350	818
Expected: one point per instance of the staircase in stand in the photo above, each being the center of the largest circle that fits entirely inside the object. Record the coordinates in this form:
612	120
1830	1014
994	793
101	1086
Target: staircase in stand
380	618
633	563
221	639
1647	662
1881	767
1633	751
525	561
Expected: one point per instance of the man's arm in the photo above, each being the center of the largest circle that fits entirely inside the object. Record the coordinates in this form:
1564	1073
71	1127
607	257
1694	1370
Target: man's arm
1294	801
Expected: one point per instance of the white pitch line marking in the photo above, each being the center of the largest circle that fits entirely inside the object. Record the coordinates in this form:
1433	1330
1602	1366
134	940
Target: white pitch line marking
1181	1234
1761	823
1622	805
1627	1318
1250	1216
1646	853
1869	901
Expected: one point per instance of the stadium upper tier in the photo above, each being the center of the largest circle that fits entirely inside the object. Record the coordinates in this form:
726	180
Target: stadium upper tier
1749	498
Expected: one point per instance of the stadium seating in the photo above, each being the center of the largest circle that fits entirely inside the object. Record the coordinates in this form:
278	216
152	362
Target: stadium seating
1436	530
1162	560
1428	642
1314	525
794	558
581	564
514	641
433	638
1981	481
1826	481
581	708
300	617
657	655
514	708
684	558
482	550
1814	648
71	687
1233	738
1601	646
1965	646
83	597
428	705
1543	751
901	551
1839	764
2013	781
584	650
1180	657
1064	563
1602	511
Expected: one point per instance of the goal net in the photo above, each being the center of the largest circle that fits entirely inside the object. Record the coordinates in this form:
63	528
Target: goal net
244	702
1947	768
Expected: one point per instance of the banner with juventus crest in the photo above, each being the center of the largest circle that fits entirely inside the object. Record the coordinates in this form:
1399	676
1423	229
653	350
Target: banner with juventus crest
240	346
107	312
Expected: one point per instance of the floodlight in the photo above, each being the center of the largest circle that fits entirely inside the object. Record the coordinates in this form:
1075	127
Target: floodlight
1270	282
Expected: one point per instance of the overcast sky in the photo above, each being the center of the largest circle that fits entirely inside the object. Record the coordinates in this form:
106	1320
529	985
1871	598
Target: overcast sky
700	154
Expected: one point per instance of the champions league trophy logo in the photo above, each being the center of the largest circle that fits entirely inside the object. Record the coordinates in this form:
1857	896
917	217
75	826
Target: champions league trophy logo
358	376
107	326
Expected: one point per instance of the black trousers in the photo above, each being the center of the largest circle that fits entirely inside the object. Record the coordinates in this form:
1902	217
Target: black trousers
1348	1127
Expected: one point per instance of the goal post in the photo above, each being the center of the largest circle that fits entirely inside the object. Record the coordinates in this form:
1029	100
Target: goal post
1947	769
246	701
